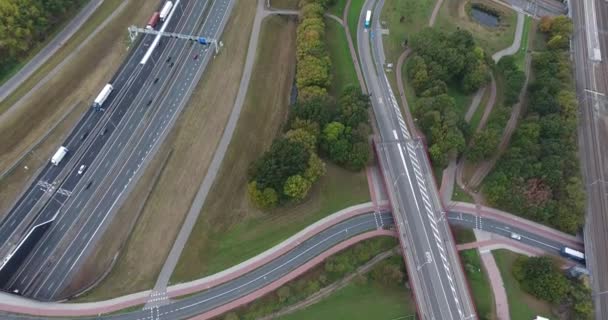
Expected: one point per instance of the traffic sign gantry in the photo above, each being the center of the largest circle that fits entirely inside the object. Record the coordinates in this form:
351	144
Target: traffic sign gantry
133	31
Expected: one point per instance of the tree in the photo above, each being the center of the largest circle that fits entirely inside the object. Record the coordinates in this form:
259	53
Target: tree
265	199
284	159
309	93
284	293
313	71
304	137
316	168
485	143
545	24
297	187
540	277
314	110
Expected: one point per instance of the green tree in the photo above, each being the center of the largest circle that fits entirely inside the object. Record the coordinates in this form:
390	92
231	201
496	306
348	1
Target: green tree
264	199
297	187
316	168
304	137
309	93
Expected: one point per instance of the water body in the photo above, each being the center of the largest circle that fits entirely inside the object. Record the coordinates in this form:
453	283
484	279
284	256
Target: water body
485	18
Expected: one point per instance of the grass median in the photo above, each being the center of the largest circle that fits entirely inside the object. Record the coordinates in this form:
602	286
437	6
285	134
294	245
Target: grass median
229	229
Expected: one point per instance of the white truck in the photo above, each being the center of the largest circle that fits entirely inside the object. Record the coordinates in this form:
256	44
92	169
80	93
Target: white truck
164	12
102	96
58	156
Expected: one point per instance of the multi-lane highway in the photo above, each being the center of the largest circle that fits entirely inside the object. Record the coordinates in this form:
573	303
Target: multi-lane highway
435	272
156	93
590	19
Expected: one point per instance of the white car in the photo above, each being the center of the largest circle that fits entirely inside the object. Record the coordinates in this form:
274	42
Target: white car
515	236
82	169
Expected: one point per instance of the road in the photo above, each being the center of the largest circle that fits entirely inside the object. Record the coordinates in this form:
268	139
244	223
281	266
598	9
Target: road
55	44
250	281
592	87
263	276
153	108
435	272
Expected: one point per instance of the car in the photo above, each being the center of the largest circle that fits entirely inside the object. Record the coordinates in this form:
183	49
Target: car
155	80
88	185
104	131
196	57
172	64
84	135
82	169
149	102
168	59
515	236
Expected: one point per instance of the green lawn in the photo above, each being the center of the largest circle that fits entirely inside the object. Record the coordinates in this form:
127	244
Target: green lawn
521	304
337	8
520	56
476	118
353	19
285	4
361	302
461	195
452	16
463	235
403	18
342	66
479	284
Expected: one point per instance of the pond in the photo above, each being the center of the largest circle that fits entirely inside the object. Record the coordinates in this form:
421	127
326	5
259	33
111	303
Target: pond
483	17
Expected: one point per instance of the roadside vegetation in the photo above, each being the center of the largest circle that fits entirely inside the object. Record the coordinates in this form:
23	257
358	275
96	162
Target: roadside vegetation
442	60
319	124
479	284
230	229
537	285
388	274
538	176
25	25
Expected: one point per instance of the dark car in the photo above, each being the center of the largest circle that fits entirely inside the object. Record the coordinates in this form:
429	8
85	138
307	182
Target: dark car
84	135
88	185
155	80
149	102
172	64
104	131
196	57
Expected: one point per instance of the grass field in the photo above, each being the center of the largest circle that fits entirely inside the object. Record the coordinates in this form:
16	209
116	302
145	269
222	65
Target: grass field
227	223
463	235
361	301
342	66
8	70
193	141
403	18
337	9
479	284
460	195
43	110
520	56
353	19
285	4
453	14
521	304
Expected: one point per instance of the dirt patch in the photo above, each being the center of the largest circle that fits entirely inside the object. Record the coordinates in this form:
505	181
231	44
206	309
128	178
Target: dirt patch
77	82
196	135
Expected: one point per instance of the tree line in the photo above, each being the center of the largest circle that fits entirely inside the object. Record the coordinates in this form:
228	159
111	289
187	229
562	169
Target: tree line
440	60
319	125
539	174
25	23
543	278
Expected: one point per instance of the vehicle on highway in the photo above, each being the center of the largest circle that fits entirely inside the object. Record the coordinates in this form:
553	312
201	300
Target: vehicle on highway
104	131
573	254
88	185
368	19
84	135
82	169
164	12
153	21
196	57
102	96
515	236
149	102
59	155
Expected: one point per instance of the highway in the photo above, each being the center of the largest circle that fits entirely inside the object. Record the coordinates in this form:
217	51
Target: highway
306	250
160	91
435	272
591	88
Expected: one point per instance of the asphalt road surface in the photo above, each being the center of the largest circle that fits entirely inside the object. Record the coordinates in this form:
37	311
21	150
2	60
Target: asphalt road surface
314	246
591	89
153	106
435	272
219	295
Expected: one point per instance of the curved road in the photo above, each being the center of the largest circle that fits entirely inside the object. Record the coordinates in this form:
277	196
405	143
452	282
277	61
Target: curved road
263	271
